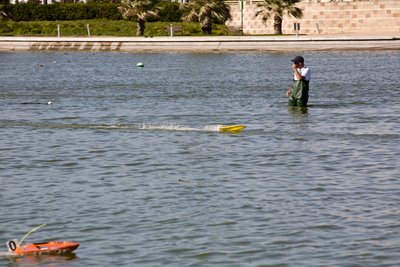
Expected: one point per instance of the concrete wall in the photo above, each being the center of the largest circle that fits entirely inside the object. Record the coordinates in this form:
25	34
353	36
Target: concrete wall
201	43
333	17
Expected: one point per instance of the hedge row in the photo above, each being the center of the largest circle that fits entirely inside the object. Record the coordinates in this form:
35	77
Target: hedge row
32	12
80	11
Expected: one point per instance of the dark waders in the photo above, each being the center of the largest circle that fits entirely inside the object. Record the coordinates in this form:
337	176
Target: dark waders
299	94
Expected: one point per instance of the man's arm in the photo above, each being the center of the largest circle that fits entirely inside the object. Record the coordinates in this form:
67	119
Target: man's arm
296	73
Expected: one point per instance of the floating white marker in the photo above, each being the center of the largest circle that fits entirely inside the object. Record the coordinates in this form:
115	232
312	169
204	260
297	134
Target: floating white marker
49	103
140	65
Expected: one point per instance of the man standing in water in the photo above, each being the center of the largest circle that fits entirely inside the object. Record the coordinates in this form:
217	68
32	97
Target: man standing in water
298	92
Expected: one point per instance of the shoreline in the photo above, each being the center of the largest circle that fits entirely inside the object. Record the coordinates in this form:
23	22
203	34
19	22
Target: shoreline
203	43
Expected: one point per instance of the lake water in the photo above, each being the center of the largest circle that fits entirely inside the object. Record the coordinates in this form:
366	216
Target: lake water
128	161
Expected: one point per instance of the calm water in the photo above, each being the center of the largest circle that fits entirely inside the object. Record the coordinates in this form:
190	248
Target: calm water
127	161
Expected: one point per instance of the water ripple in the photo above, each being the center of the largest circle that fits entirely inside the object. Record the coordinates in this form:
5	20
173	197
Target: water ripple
129	163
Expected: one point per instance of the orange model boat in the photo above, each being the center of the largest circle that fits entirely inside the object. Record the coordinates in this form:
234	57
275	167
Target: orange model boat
15	247
49	247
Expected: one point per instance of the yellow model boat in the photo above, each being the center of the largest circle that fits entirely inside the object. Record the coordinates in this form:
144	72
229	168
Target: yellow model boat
231	128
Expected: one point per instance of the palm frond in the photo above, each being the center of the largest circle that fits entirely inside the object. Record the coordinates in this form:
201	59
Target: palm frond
267	8
142	9
204	11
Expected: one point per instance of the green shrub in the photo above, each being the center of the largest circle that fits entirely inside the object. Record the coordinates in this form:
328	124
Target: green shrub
60	11
93	10
5	27
170	12
192	28
49	28
155	29
112	28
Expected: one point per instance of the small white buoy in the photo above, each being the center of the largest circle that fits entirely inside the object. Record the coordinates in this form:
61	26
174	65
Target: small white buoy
49	103
140	65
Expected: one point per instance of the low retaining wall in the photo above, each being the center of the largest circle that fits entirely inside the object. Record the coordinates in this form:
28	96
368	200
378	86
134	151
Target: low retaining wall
199	44
335	17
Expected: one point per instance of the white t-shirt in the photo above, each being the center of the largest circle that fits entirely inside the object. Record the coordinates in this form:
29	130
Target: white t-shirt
305	72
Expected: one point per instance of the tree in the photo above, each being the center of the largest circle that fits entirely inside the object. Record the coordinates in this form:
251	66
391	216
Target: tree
204	11
278	8
141	10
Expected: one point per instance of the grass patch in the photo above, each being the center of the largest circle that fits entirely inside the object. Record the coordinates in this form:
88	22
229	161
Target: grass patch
100	28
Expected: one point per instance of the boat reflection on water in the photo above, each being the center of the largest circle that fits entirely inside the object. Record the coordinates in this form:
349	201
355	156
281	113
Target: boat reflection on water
47	260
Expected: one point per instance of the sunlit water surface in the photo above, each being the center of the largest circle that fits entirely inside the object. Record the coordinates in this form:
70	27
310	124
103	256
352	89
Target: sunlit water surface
128	161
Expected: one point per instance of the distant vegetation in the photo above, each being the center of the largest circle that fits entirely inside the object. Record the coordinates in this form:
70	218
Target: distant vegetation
104	19
60	11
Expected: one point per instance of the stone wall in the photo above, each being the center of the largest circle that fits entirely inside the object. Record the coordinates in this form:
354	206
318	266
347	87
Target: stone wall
333	17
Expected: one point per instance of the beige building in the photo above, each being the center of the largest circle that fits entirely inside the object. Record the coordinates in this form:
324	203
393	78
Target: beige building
325	17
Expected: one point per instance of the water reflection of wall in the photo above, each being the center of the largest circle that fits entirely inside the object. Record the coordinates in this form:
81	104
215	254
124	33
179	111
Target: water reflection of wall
332	17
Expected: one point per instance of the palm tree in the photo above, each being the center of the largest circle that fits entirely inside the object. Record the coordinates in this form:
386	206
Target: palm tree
142	10
204	11
278	8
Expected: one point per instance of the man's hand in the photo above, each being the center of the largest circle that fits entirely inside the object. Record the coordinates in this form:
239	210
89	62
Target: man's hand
296	72
289	92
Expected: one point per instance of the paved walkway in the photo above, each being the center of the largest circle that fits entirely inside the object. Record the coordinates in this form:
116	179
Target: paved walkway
388	41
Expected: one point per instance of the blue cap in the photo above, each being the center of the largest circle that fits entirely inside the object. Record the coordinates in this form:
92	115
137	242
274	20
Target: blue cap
298	59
